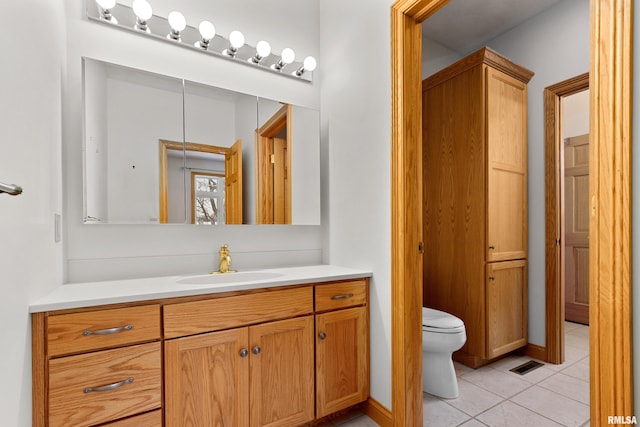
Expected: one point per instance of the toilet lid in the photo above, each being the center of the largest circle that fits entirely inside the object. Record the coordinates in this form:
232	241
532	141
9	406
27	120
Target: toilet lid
433	318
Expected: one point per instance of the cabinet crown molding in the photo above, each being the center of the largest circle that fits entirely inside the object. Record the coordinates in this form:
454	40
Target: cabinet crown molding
485	56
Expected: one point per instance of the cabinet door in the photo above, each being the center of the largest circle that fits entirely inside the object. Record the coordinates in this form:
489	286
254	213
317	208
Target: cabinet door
342	355
506	306
281	372
506	124
206	380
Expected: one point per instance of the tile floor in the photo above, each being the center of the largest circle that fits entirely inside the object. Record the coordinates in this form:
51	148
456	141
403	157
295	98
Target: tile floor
552	395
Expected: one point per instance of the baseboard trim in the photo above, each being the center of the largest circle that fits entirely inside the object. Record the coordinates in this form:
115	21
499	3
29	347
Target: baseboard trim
536	351
377	412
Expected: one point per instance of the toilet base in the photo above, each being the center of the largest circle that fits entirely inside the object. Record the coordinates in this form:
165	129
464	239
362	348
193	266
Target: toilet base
439	376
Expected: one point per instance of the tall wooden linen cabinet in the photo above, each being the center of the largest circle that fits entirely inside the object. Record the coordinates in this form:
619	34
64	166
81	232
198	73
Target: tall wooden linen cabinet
475	201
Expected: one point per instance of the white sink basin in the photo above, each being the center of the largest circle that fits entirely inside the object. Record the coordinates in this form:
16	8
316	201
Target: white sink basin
229	278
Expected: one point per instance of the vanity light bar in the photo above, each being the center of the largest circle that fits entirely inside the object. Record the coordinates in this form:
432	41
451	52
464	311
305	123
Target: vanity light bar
139	19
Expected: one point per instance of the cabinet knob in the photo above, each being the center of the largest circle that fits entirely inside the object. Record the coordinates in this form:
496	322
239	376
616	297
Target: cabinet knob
492	278
322	335
492	247
244	352
256	350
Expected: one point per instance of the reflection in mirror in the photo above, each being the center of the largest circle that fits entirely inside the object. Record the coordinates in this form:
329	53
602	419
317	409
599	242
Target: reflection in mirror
164	150
287	164
126	112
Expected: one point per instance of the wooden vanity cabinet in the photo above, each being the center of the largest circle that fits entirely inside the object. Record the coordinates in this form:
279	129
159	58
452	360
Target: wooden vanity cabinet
99	366
280	357
342	346
475	201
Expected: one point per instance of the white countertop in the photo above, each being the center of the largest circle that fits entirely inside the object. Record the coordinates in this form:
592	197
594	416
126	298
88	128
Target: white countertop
75	295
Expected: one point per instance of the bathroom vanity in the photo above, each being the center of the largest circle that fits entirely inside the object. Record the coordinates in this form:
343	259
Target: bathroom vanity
277	348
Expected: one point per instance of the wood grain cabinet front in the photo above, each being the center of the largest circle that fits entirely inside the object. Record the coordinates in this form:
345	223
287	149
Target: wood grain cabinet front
93	388
342	359
261	375
240	359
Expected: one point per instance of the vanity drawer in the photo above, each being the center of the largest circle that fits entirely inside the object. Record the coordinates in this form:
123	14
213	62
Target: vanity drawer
92	330
341	295
150	419
107	372
229	312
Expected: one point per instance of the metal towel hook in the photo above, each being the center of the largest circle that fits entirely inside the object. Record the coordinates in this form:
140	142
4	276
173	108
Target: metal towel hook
10	189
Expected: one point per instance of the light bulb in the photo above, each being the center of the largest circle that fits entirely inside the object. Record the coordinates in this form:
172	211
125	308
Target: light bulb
310	63
142	9
288	55
177	21
207	30
236	38
263	49
106	4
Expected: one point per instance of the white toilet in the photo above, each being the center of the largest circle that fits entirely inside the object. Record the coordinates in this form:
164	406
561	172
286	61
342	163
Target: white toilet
442	334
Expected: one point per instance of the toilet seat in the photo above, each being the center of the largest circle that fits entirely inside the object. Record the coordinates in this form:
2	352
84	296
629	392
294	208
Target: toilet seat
440	322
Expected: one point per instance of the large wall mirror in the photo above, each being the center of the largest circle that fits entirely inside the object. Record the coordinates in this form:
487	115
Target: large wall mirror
163	150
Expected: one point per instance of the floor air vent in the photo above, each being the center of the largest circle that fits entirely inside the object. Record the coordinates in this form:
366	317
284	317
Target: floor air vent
527	367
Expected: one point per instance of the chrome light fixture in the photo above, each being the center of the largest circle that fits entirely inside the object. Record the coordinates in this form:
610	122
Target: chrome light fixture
263	49
105	10
236	41
286	57
143	12
177	24
309	64
174	29
207	32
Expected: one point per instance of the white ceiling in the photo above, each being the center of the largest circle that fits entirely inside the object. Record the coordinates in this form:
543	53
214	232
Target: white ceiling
466	25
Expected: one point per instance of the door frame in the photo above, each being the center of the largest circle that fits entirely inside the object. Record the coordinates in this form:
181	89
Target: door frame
554	213
611	384
166	145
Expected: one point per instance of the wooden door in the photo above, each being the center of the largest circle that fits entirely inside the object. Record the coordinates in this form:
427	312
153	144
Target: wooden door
282	372
233	183
206	380
576	238
506	307
506	127
342	354
281	198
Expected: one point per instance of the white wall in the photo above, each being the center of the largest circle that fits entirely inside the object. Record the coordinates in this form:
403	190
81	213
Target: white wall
356	145
575	114
112	251
30	138
435	57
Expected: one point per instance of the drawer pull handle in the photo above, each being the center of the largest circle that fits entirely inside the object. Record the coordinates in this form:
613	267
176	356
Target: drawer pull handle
345	296
109	386
108	331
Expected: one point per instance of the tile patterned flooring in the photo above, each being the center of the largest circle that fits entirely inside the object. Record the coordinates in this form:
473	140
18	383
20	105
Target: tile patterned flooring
552	395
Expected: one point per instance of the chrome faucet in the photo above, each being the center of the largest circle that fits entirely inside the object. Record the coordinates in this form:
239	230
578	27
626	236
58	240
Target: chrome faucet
224	261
